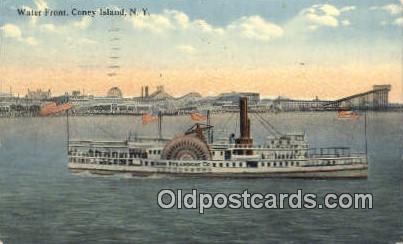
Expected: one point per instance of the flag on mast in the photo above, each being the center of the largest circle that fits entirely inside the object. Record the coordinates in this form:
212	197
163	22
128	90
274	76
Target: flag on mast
53	108
347	114
198	116
148	118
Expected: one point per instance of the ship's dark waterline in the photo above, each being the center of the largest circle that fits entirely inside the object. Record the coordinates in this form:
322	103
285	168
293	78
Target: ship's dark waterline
42	202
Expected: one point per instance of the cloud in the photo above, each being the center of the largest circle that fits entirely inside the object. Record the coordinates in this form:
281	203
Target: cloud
256	28
171	20
180	18
392	9
203	26
48	28
33	19
87	41
31	41
398	22
156	23
41	4
189	49
13	31
249	27
83	23
320	15
328	9
348	8
345	22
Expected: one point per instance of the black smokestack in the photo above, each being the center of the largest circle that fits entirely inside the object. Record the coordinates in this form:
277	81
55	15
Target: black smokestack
244	121
244	141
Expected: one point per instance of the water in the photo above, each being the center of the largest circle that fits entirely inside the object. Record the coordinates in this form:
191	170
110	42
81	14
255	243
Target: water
42	202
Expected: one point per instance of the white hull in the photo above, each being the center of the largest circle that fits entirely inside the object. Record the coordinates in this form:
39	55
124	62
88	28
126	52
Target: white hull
336	171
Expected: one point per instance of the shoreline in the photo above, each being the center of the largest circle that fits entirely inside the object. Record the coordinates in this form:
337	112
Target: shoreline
30	115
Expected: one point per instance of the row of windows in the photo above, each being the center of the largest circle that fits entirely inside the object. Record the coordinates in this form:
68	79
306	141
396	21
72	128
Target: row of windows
103	161
151	163
221	153
279	164
278	146
319	163
185	169
109	154
262	164
155	152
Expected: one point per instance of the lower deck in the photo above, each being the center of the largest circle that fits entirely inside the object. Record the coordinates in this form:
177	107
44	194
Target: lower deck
341	171
309	168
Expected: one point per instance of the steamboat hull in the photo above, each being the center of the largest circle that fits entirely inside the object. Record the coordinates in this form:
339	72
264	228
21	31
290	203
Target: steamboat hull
357	171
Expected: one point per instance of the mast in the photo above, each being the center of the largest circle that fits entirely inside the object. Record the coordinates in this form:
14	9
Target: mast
160	125
68	130
365	135
210	132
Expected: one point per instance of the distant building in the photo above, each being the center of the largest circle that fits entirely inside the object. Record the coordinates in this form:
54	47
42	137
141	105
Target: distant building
39	94
375	99
381	96
233	97
5	95
159	94
115	92
286	104
76	93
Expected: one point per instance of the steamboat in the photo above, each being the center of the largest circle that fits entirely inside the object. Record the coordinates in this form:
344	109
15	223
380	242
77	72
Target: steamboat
195	153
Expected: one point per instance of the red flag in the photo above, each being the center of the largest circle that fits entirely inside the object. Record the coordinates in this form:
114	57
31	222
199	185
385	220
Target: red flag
347	115
198	116
148	118
53	108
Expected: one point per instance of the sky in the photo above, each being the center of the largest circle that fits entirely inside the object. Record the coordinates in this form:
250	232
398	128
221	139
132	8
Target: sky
298	49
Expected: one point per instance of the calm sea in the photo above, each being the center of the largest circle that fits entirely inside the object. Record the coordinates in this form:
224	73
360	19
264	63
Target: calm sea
42	202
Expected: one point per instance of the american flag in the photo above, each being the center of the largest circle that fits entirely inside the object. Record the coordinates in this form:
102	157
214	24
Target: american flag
342	114
198	116
148	118
53	108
